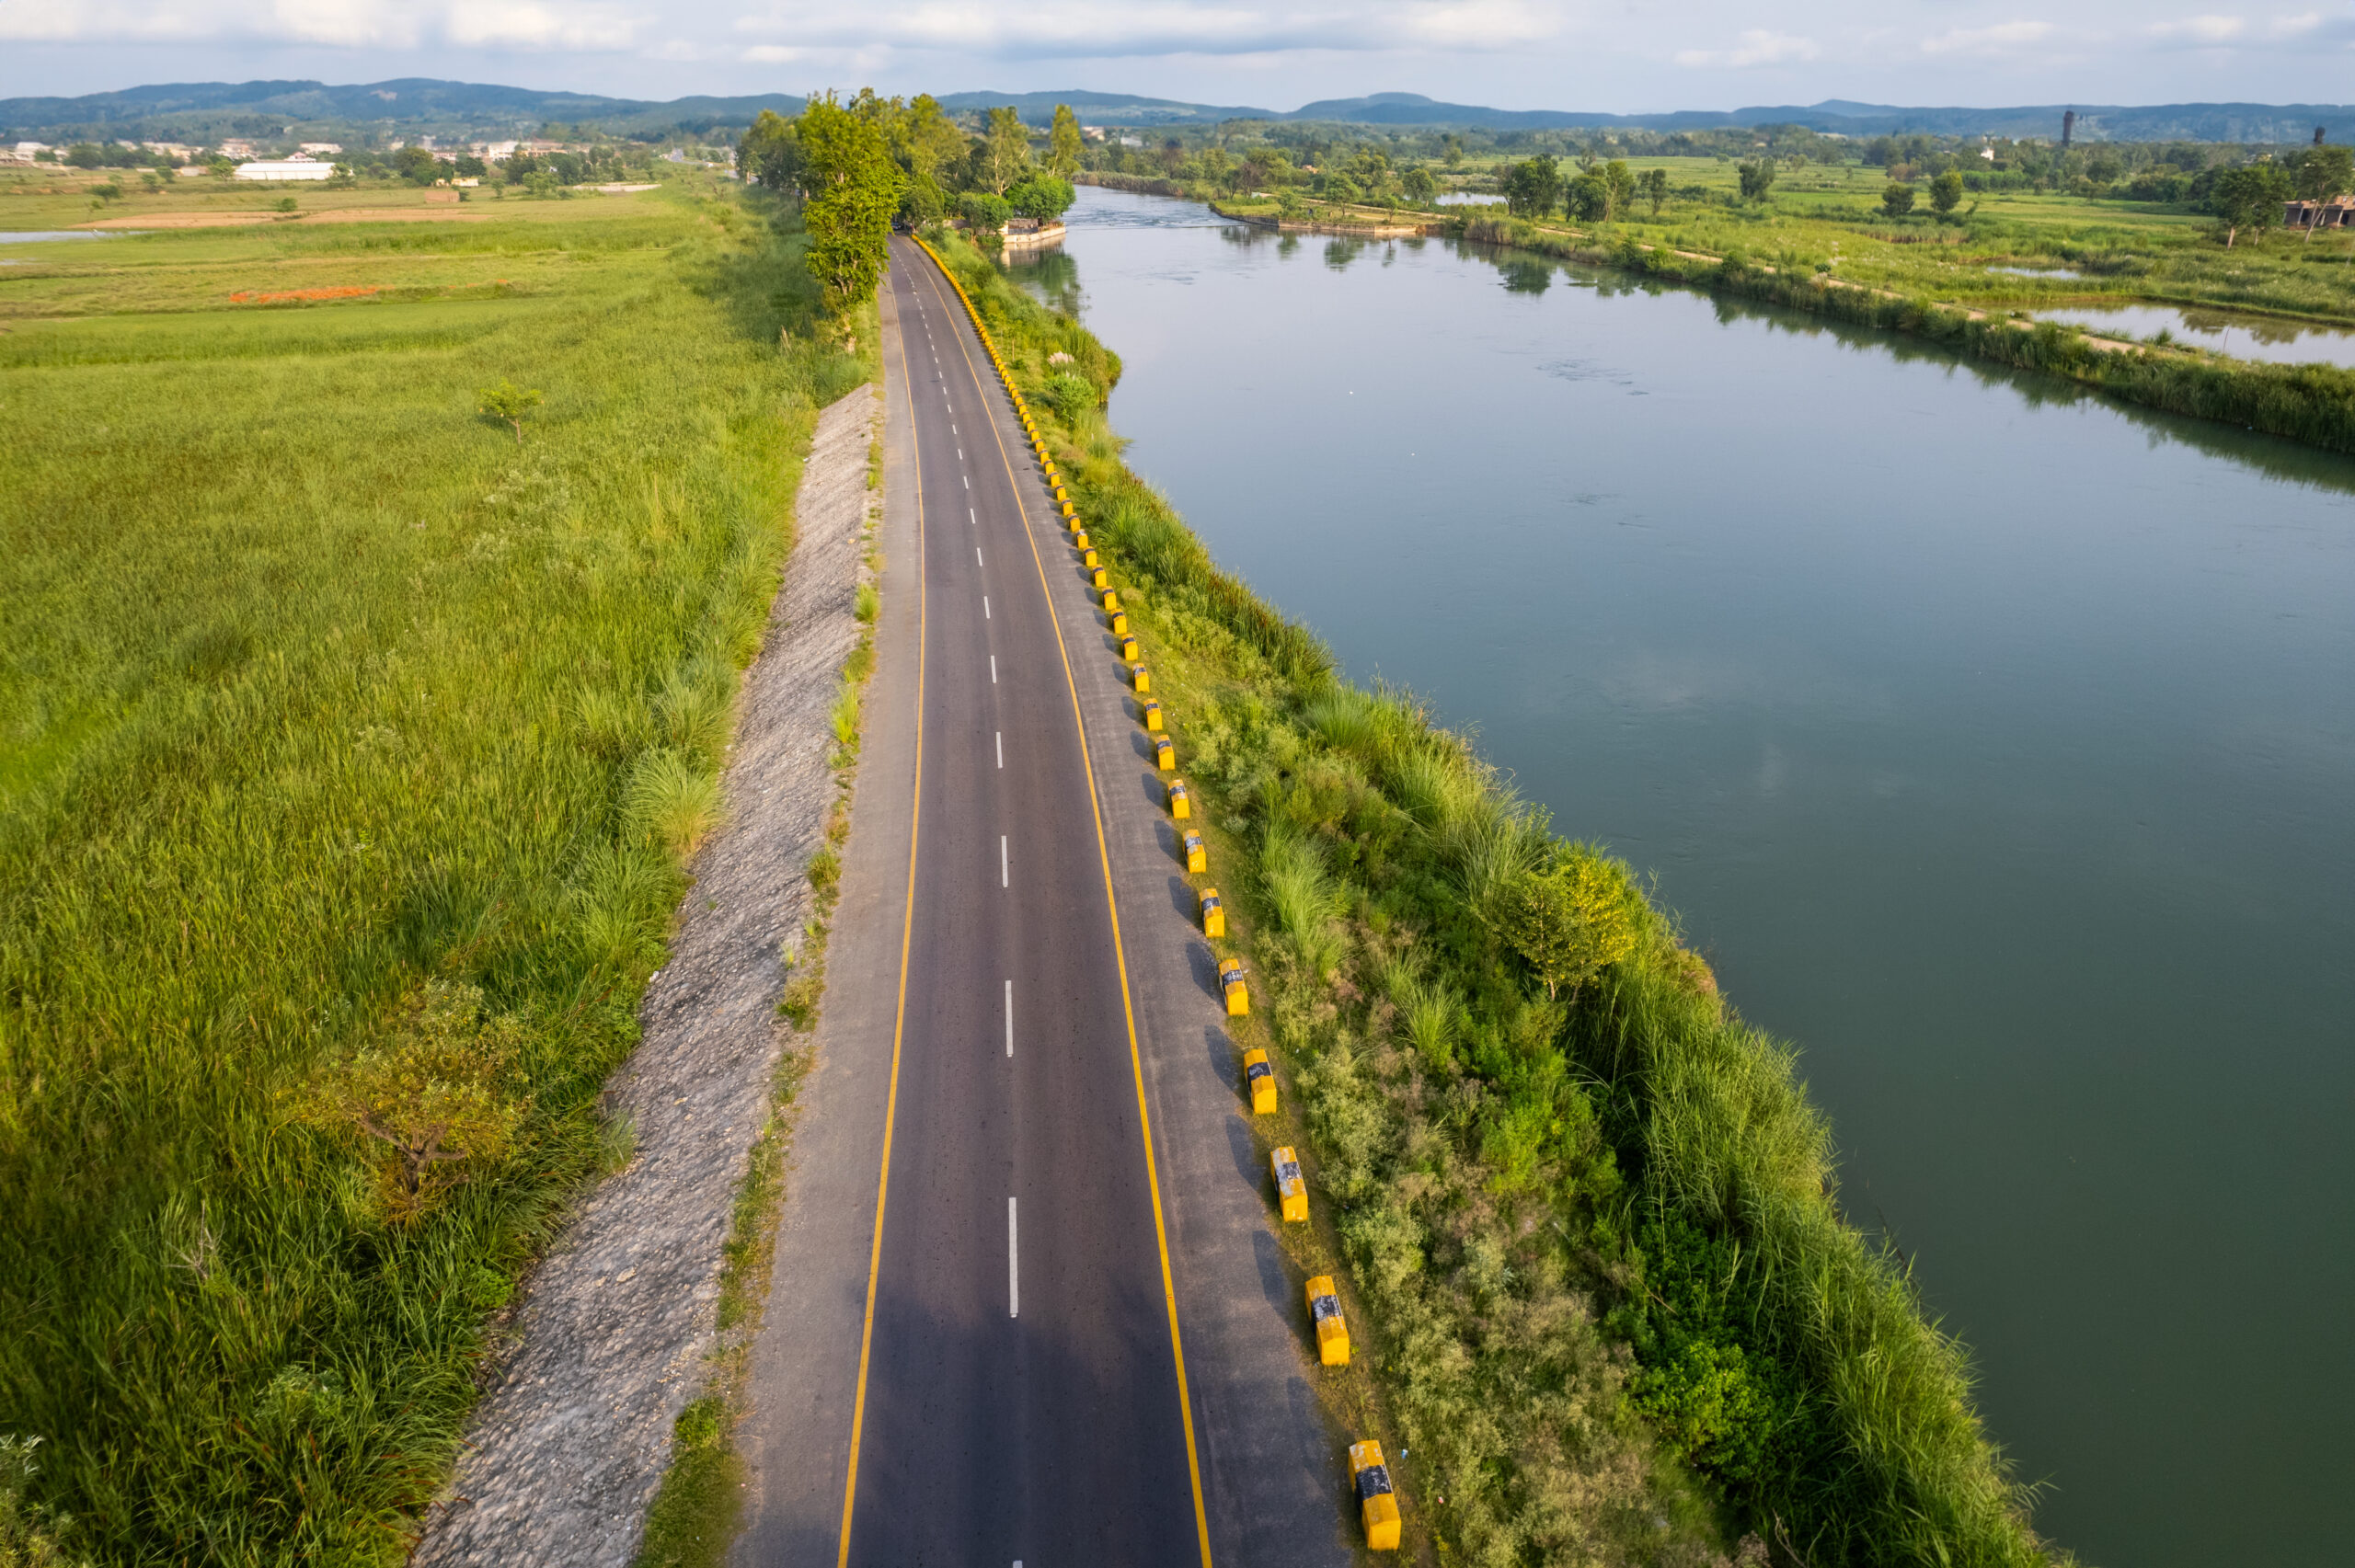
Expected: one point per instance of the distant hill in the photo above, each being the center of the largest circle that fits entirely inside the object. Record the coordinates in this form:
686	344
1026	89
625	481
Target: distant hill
1103	109
207	111
2096	122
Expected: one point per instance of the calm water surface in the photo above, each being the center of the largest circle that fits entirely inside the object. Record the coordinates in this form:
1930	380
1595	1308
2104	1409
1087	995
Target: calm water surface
2225	332
1995	743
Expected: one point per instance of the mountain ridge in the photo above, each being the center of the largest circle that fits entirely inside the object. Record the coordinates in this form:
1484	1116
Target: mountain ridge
208	110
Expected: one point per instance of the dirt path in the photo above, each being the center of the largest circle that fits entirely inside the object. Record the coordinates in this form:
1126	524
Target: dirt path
611	1342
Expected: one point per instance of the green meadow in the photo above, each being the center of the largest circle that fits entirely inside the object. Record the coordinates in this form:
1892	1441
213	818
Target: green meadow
320	688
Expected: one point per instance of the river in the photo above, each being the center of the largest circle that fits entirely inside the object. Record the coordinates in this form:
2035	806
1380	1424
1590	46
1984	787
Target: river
1995	742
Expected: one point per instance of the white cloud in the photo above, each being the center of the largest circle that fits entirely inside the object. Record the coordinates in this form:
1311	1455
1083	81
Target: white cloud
1755	47
1158	27
336	24
2209	30
2002	38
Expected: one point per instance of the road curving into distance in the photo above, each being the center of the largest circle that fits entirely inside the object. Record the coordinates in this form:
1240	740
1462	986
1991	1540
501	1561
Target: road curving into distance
1021	1396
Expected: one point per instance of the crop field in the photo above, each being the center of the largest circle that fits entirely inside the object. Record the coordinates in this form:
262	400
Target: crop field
341	723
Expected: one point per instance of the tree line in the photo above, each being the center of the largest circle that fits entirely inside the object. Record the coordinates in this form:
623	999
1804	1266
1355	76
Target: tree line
859	166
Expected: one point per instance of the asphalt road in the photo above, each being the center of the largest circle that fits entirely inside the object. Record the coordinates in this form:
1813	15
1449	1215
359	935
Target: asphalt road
1021	1396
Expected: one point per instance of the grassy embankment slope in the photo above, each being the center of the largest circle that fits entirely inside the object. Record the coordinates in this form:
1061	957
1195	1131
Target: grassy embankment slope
1821	243
1607	1296
316	684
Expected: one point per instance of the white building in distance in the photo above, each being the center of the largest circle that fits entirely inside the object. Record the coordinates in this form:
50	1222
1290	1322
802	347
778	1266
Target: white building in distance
296	168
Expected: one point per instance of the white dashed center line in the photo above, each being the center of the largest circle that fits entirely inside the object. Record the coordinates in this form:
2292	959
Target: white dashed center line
1009	1018
1002	862
985	607
992	670
977	555
1001	748
1013	1267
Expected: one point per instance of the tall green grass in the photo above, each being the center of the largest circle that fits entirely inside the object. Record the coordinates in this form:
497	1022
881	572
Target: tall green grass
1622	1319
314	683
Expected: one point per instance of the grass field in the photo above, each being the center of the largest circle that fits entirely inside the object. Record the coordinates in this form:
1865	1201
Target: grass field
316	685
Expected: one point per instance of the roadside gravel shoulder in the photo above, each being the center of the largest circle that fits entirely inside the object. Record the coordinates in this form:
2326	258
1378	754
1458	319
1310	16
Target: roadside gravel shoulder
618	1327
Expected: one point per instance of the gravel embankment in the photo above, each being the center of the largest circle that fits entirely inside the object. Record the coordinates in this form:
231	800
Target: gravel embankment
611	1342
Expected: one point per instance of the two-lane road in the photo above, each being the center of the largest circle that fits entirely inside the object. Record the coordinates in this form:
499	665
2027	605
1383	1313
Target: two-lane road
1020	1397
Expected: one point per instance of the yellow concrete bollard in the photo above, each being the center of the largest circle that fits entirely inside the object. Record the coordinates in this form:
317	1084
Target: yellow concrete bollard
1059	494
1120	623
1259	1078
1332	1329
1128	650
1292	1188
1213	913
1238	995
1377	1504
1070	511
1101	576
1112	601
1197	857
1165	755
1140	678
1151	712
1181	805
1086	556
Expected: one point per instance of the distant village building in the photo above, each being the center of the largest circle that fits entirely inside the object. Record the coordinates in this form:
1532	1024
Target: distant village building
2338	213
25	152
236	149
294	168
494	152
317	149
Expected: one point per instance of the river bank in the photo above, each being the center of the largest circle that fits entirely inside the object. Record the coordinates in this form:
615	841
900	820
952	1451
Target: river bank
1543	1202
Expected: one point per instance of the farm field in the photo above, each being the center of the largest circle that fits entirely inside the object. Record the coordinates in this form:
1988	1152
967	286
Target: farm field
341	723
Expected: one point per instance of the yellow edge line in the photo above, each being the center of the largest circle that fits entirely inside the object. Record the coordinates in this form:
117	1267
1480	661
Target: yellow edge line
1119	956
899	1019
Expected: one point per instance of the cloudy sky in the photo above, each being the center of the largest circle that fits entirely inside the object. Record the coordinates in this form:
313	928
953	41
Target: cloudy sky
1620	55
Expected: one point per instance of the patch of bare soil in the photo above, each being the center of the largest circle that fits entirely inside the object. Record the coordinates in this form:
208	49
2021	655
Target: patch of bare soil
332	215
613	1338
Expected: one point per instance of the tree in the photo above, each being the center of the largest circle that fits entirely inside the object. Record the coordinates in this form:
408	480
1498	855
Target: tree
1945	192
1042	197
1619	188
770	153
509	402
1419	184
437	1095
1007	158
1533	187
1654	182
2247	197
1587	198
1757	177
1571	920
1064	147
2319	174
854	189
416	164
983	212
1897	198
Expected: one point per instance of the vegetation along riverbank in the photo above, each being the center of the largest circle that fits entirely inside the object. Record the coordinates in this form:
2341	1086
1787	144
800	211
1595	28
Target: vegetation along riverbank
1589	1219
378	596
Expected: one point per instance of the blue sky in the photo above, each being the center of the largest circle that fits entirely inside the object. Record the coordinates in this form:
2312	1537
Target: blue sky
1617	55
